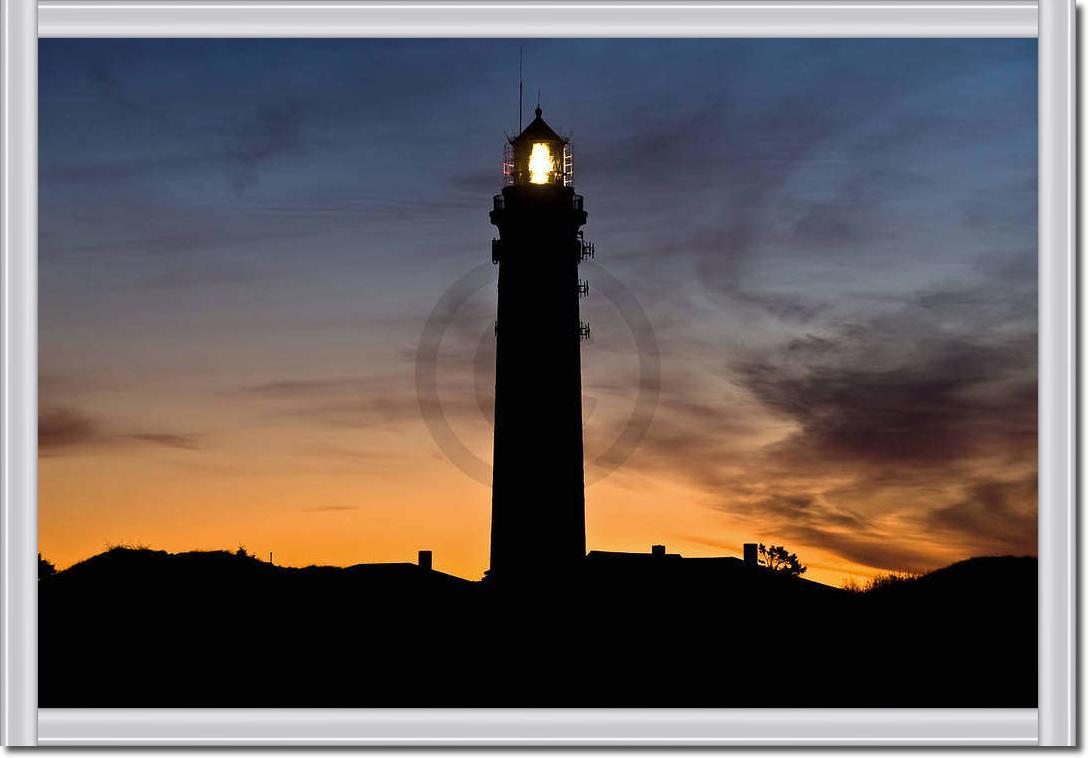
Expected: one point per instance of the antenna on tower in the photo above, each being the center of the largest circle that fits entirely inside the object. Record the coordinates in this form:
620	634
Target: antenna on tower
521	84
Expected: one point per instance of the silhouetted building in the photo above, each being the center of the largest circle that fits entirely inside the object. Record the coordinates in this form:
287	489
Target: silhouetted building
538	501
618	574
636	565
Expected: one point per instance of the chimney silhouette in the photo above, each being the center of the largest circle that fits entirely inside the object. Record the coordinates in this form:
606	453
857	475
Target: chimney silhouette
657	551
425	559
751	554
538	500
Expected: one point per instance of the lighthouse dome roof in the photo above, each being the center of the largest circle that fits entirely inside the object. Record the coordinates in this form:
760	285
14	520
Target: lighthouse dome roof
537	131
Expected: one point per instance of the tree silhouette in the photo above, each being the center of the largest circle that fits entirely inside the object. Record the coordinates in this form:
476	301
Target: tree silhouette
45	568
778	558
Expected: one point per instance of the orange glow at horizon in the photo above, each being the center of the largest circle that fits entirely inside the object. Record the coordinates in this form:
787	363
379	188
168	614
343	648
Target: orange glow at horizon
342	509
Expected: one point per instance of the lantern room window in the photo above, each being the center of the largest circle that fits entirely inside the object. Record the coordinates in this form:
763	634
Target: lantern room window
538	156
541	164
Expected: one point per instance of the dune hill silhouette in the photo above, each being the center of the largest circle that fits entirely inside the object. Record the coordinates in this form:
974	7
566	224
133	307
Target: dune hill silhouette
147	628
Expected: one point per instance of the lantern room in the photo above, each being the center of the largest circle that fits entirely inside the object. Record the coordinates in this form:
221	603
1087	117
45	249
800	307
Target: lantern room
538	157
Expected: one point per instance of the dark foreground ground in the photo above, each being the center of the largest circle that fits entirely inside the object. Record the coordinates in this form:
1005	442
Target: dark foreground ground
142	628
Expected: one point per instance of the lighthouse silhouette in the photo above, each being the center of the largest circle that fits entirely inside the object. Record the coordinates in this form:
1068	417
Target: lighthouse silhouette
538	500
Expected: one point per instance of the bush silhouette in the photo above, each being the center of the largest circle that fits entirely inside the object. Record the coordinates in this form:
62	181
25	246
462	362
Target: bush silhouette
45	568
881	582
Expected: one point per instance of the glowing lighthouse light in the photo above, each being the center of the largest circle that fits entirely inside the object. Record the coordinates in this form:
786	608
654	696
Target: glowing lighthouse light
541	165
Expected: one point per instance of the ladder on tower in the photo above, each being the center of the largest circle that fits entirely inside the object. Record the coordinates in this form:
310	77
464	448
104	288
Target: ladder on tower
585	249
508	177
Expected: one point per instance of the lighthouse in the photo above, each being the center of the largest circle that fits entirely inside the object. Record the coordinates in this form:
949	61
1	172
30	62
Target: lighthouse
538	501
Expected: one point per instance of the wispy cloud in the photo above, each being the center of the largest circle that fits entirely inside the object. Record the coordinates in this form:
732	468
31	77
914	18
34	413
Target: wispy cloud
70	431
177	441
899	432
330	508
62	429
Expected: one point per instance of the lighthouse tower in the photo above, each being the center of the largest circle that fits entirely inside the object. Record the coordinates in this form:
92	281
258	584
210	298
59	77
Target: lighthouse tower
538	501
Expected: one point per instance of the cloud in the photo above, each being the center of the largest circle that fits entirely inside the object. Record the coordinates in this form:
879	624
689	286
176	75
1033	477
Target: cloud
994	517
267	133
828	224
308	388
237	147
192	274
883	551
894	437
67	431
63	429
939	402
176	441
347	402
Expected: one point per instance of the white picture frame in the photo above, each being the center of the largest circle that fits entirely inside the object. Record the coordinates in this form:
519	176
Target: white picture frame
1053	723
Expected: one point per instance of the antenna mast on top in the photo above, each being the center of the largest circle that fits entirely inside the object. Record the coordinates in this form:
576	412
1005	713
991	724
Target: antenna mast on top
521	85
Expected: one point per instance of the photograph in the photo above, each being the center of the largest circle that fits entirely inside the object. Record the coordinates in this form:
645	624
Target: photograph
538	373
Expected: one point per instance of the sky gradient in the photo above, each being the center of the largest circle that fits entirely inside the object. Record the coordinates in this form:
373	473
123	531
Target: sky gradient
833	240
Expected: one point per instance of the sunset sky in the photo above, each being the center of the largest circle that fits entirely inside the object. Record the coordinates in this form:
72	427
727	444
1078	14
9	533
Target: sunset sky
834	242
